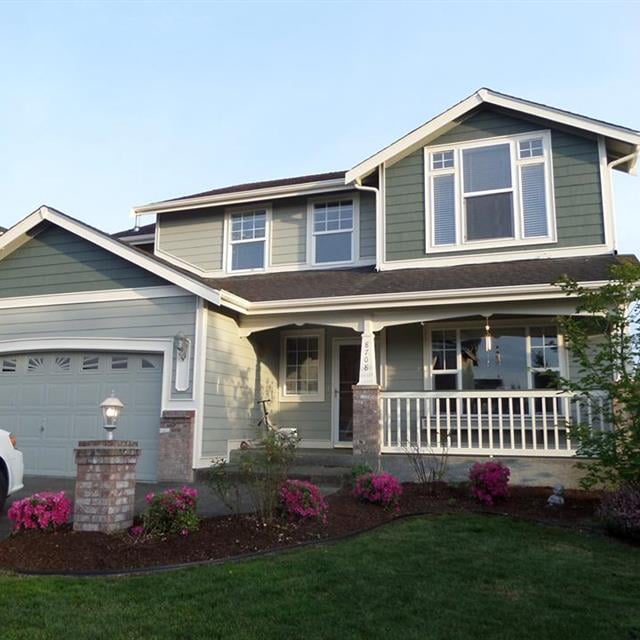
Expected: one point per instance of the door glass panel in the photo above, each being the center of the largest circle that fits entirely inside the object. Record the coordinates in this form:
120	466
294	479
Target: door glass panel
349	370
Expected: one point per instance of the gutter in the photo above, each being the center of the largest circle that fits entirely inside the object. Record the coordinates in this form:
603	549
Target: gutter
240	197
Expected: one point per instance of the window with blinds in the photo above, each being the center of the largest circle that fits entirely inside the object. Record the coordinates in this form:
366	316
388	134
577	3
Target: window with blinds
490	193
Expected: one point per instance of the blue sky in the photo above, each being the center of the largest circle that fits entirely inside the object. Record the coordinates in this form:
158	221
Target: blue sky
108	105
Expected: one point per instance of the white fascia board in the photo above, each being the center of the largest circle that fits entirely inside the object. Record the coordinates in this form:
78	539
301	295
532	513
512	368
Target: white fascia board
412	298
109	244
242	197
138	239
415	137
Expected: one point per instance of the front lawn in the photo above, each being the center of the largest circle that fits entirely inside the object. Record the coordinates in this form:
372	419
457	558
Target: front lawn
446	577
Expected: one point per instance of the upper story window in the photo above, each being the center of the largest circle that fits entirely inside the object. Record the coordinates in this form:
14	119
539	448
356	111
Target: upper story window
248	240
490	193
332	236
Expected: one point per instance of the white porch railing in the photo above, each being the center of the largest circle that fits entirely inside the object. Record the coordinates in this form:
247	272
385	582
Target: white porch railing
487	422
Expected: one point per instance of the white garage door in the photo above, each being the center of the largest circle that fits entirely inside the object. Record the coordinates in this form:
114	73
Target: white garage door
51	400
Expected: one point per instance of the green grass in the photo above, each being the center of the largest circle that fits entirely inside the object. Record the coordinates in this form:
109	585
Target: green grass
450	577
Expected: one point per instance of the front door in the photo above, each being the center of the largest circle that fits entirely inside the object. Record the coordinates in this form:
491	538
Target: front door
346	373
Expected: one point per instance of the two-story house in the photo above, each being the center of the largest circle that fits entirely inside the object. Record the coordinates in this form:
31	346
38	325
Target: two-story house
407	301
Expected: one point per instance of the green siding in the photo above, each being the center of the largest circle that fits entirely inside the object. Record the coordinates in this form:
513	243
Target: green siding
141	319
367	225
404	367
577	189
57	261
289	232
196	237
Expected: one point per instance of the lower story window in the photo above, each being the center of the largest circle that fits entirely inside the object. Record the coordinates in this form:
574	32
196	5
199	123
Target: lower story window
302	365
519	359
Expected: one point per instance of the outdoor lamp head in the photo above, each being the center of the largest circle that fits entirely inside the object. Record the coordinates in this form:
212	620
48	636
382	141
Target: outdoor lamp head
111	410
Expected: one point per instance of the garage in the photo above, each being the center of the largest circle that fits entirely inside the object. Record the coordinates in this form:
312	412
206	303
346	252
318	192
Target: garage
50	400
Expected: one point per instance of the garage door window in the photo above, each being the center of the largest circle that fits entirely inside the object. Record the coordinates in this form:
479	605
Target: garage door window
148	364
9	365
35	365
90	363
62	364
119	362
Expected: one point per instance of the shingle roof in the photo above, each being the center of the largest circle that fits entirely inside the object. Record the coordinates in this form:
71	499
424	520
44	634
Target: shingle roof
136	231
366	281
265	184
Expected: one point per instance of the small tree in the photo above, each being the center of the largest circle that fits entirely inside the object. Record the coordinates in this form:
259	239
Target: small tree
605	346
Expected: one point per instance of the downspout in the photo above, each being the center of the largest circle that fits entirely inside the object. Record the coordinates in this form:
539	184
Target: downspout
361	187
631	158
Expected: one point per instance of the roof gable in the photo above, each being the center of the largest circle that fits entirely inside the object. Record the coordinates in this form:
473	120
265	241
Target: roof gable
620	141
22	232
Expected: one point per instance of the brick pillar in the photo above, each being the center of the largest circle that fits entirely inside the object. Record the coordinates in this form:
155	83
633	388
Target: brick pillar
175	451
366	422
105	485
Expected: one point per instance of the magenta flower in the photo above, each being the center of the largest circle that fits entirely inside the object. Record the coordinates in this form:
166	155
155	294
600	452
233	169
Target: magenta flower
45	511
378	488
489	480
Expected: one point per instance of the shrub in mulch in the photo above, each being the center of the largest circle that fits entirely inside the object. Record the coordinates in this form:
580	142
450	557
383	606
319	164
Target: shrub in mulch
236	535
172	512
301	500
378	488
44	511
620	512
489	481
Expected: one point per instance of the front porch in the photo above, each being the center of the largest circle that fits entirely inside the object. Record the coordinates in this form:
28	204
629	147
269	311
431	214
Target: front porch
476	385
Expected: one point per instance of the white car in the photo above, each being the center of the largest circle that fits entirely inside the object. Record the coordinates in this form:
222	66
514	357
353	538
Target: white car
11	466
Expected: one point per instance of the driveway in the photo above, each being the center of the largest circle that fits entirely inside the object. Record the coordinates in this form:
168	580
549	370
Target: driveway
208	504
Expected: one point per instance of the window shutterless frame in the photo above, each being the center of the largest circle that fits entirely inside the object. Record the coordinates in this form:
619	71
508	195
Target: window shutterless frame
285	396
312	234
230	242
438	166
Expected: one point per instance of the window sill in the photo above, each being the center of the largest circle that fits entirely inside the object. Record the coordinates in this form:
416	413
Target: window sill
476	245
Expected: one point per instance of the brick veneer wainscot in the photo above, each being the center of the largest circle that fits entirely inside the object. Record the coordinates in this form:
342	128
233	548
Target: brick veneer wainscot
175	449
105	485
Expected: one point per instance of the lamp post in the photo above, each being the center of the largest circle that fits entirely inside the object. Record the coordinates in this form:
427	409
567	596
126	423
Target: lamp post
111	410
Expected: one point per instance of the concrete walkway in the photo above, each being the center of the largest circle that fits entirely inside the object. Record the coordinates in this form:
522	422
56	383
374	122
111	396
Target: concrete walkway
208	503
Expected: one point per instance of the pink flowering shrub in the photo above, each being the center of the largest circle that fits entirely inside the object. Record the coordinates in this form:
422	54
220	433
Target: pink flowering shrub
45	511
302	500
172	512
378	488
489	480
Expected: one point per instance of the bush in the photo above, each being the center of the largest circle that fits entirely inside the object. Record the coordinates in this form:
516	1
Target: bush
171	512
489	480
620	511
45	511
360	469
378	488
302	500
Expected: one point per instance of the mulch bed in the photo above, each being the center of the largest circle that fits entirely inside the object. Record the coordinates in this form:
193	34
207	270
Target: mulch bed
66	551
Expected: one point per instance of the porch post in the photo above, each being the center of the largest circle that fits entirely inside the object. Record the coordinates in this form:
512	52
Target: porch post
366	402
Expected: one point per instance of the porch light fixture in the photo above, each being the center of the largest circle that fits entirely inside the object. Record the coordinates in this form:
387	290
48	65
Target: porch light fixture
111	410
487	335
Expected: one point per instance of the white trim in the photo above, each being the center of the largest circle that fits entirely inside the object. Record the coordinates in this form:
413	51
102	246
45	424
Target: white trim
336	343
457	170
199	378
497	256
311	397
606	189
411	298
100	295
104	241
146	238
162	346
416	138
242	197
